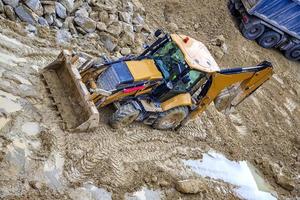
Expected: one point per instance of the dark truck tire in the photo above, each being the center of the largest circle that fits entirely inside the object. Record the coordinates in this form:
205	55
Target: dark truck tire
170	119
253	31
293	53
269	39
124	116
232	9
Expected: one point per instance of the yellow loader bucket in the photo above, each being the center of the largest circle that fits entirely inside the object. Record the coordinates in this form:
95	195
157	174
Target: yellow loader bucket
70	95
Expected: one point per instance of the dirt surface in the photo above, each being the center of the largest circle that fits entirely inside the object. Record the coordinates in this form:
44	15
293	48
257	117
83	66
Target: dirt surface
46	162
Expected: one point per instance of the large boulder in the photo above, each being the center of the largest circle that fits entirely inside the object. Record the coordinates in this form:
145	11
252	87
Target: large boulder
49	8
35	6
125	17
60	10
87	24
68	4
12	3
115	29
26	15
190	186
9	12
109	42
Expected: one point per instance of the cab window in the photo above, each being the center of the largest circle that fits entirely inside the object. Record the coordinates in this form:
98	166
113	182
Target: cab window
189	80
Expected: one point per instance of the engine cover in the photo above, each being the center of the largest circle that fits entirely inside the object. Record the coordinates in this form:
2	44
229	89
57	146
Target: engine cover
114	75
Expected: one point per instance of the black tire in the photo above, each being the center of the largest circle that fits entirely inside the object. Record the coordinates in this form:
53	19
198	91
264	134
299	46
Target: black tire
232	9
170	119
124	116
269	39
252	32
293	53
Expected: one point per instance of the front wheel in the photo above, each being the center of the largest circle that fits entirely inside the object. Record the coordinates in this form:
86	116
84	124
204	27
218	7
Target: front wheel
171	118
124	116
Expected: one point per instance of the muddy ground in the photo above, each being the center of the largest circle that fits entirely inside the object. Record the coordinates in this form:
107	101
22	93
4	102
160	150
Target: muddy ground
38	160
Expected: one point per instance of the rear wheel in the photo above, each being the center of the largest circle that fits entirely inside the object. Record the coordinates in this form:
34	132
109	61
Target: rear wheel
124	116
269	39
252	32
171	118
293	53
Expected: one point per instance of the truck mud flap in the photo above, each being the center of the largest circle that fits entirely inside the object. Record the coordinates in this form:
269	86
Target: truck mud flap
70	95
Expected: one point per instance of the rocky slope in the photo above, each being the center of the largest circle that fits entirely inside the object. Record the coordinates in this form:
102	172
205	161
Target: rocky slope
38	160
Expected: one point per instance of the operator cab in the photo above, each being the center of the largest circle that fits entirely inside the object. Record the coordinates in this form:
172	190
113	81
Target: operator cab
178	76
185	63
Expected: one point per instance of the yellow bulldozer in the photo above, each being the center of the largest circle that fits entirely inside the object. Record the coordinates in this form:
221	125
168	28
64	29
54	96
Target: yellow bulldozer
171	82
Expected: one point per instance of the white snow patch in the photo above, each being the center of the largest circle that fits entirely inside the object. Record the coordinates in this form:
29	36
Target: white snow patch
217	166
144	194
90	192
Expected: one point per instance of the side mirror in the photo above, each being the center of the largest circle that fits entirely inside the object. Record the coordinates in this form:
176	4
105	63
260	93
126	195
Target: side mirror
157	33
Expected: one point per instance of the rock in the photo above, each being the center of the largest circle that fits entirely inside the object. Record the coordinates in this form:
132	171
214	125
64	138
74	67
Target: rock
109	43
138	6
42	21
1	7
172	27
68	4
49	19
101	26
72	28
154	179
82	12
129	7
164	183
112	19
12	3
63	36
115	29
87	24
94	16
218	53
125	17
190	186
57	22
60	10
9	12
219	40
31	29
35	6
26	15
103	17
127	37
135	168
284	182
49	9
125	51
138	20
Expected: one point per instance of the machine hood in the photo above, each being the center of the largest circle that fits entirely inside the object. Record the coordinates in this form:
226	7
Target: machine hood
144	70
122	73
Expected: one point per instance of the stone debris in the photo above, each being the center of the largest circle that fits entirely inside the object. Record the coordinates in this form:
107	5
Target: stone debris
121	22
190	186
285	182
